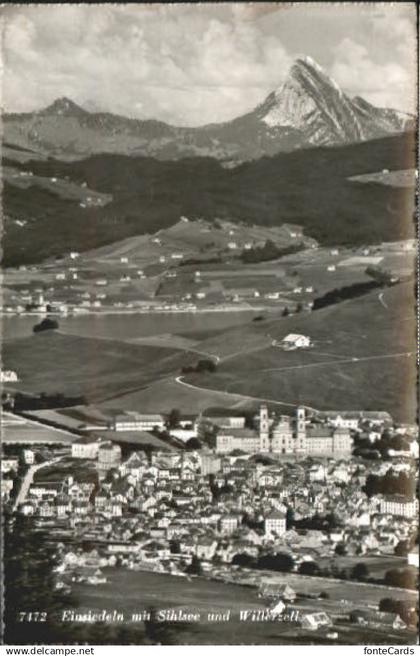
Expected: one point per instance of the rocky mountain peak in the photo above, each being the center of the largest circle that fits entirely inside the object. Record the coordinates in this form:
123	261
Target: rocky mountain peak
63	107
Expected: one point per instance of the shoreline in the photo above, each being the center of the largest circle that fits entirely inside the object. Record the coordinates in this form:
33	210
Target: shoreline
119	311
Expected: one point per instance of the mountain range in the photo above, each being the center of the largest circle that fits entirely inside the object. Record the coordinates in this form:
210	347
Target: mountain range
309	109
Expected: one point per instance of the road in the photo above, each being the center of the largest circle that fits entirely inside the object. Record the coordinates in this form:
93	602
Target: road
342	361
147	341
28	480
179	380
381	300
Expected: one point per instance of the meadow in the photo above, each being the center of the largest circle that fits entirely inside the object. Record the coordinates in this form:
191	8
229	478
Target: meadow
130	592
92	367
363	357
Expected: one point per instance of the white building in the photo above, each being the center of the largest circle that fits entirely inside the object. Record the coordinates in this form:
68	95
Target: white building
288	436
294	341
414	448
86	447
344	421
275	524
132	421
225	422
8	376
413	557
109	456
9	464
28	456
399	506
228	524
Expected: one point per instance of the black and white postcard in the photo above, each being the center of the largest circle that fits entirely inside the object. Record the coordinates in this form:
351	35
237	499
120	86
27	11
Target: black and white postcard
208	324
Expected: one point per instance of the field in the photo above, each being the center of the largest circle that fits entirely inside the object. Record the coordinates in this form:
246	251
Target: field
377	565
62	188
95	368
167	394
130	592
363	357
25	431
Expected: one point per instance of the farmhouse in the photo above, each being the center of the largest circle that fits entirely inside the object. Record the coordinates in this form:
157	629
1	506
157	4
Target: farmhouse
291	230
314	621
294	341
377	619
8	376
277	591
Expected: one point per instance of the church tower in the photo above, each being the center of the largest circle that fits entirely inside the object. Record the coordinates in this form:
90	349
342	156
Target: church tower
264	429
300	430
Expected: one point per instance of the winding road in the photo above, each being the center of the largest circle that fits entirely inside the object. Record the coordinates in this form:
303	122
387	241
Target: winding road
28	480
405	354
245	397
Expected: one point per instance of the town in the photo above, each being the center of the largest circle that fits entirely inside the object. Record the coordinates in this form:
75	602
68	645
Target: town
267	500
209	357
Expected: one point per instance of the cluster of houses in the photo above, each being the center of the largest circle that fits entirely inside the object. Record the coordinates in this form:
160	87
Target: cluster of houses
160	510
218	506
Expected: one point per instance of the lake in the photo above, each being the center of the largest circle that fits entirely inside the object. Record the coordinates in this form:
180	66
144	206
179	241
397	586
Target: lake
130	326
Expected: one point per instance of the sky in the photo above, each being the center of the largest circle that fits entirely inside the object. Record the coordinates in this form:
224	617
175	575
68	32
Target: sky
192	64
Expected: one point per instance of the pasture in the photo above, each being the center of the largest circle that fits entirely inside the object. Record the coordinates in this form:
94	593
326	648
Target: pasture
95	368
363	357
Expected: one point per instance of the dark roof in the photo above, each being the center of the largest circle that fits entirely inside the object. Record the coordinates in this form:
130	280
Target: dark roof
87	439
240	432
276	514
